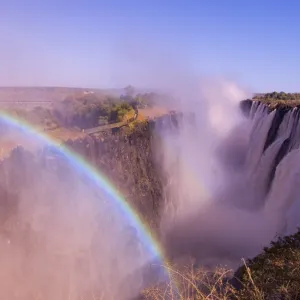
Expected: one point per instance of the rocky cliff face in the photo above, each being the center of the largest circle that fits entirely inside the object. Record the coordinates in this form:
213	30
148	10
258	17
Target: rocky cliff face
124	157
28	176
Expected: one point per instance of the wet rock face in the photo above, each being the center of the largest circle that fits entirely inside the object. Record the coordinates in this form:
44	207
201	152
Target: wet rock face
281	111
125	158
245	106
284	114
127	161
278	118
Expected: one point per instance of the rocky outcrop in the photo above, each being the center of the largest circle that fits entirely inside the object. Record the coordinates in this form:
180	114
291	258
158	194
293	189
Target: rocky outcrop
125	157
277	120
245	106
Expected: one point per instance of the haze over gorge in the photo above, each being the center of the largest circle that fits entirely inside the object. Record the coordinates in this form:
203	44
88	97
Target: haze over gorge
104	215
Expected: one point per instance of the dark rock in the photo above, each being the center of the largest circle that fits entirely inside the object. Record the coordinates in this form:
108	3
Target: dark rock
272	134
245	106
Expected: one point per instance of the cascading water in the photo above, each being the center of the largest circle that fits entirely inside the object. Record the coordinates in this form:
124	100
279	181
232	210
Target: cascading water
235	192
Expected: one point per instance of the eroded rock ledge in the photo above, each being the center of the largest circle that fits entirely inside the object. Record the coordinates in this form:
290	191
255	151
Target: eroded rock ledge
124	157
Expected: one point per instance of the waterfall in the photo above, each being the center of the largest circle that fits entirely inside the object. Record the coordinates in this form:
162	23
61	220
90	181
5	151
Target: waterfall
234	193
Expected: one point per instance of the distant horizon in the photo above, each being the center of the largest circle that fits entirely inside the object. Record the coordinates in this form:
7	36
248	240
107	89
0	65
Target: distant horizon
117	88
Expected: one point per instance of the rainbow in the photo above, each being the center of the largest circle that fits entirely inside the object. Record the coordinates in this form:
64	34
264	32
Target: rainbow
77	161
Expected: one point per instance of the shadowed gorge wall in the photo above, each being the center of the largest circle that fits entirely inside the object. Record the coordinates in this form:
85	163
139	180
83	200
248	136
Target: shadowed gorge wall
127	159
131	158
34	181
32	185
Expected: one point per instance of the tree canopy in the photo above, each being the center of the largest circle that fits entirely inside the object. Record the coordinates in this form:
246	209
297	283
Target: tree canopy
277	96
91	110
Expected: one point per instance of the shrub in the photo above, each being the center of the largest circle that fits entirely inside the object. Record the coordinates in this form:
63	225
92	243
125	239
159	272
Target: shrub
90	110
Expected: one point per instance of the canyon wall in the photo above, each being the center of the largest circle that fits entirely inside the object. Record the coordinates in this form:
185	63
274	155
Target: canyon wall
42	193
125	157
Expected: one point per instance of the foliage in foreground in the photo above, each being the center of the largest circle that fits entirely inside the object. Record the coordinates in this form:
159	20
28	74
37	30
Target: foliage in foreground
276	271
273	274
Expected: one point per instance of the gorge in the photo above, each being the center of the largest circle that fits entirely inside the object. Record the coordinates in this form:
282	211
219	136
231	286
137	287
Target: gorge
214	192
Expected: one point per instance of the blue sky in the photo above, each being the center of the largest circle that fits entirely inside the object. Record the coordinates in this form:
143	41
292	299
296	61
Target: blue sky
114	43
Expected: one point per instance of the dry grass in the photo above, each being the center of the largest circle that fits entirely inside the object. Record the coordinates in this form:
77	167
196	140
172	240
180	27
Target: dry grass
153	112
274	274
140	117
63	134
190	283
275	103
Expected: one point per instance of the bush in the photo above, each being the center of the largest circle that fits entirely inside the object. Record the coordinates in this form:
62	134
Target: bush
275	96
273	274
90	110
276	271
119	111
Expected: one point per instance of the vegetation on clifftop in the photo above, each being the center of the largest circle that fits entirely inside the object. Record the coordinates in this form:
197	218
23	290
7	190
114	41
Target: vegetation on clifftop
273	274
91	110
275	99
85	109
275	96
